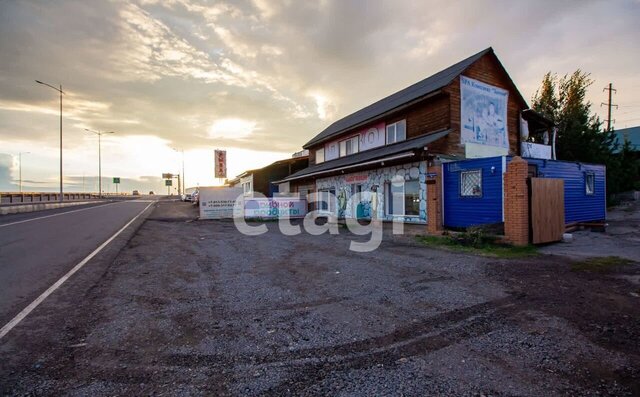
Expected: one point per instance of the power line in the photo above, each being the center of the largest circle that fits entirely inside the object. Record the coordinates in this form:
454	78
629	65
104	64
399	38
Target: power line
609	104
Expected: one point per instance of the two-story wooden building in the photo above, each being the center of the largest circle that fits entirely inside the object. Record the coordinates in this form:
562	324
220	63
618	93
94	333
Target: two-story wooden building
388	155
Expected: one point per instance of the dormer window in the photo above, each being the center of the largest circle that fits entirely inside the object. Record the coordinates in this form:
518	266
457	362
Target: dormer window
349	146
396	132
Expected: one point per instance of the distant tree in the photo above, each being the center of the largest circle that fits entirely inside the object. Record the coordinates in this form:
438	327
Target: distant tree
545	100
629	168
580	135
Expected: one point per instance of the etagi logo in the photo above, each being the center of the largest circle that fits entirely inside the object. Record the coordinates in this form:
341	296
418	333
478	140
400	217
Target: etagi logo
329	205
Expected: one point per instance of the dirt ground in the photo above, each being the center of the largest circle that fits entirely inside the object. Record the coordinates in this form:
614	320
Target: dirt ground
193	307
621	237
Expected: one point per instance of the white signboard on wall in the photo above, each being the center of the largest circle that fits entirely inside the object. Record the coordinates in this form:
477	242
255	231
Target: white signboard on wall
331	151
483	111
220	202
535	150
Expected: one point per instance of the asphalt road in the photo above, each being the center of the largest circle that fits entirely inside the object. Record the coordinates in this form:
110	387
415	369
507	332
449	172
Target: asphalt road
38	248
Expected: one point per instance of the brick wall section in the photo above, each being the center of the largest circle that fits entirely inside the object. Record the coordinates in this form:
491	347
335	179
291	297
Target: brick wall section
434	201
516	202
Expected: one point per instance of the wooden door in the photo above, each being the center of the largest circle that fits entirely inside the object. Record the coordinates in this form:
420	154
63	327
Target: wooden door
547	210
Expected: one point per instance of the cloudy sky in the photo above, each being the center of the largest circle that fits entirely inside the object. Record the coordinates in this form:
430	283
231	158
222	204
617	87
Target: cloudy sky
261	77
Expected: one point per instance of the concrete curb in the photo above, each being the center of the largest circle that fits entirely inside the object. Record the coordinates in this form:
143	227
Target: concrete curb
16	209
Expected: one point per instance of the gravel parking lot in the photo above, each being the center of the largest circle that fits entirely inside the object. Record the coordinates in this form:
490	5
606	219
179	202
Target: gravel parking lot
193	307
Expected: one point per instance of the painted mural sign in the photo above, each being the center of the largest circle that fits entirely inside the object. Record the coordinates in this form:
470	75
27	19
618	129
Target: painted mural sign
372	137
275	208
356	178
483	111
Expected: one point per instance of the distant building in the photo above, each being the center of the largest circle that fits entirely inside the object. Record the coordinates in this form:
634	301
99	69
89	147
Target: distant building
632	135
261	180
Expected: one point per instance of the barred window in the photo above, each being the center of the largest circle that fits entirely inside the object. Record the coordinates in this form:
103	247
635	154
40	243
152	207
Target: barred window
471	183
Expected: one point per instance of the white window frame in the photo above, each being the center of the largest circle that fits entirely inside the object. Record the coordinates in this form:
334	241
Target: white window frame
246	187
394	127
590	176
355	142
318	151
465	172
330	203
387	193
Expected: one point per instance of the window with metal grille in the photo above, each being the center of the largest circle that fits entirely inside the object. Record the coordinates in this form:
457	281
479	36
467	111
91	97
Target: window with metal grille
471	183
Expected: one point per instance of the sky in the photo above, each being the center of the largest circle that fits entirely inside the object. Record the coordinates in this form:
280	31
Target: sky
260	78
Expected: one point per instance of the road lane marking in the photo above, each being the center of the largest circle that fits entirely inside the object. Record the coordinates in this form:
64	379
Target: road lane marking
25	312
60	213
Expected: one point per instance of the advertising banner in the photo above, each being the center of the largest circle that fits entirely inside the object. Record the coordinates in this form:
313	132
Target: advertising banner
220	202
356	178
275	208
220	163
372	137
483	111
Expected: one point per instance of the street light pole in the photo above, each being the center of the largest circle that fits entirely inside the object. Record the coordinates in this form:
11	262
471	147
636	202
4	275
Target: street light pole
99	133
184	179
20	167
61	92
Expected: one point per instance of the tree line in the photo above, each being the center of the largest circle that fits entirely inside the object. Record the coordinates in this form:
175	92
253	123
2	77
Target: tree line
581	136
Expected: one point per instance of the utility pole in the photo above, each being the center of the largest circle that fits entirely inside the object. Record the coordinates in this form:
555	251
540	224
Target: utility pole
609	105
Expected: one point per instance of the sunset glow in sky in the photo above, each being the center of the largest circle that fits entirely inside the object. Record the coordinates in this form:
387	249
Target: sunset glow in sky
260	78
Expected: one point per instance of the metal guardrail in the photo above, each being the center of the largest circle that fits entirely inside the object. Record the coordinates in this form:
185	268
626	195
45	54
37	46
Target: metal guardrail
49	197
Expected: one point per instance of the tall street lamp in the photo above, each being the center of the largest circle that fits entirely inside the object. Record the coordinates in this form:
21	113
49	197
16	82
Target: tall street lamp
61	92
184	179
20	167
99	133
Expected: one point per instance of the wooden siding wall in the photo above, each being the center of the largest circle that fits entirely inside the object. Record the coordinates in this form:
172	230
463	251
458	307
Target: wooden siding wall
428	116
488	70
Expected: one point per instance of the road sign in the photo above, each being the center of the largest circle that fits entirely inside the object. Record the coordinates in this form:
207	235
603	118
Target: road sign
116	180
167	176
168	182
220	163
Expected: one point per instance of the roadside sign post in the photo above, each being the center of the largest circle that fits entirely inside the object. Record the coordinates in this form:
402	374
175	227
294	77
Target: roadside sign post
220	166
116	181
168	183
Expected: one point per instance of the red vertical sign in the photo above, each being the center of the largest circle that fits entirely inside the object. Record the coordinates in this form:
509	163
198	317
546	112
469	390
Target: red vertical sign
221	163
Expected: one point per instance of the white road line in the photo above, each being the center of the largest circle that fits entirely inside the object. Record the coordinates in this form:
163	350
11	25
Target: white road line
25	312
60	213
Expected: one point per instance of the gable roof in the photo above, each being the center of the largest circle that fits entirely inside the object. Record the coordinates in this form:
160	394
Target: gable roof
277	162
409	94
631	134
